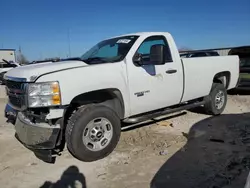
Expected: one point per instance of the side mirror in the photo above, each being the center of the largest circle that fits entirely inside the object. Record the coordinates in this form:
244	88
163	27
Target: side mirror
137	59
157	54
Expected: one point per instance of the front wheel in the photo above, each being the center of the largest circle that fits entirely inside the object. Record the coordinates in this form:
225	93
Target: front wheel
217	99
93	132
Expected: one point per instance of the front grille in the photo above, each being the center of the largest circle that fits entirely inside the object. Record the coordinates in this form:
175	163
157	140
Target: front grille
16	101
13	85
16	93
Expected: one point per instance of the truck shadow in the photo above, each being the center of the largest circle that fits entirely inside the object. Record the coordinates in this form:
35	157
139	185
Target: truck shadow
198	110
71	177
216	155
239	92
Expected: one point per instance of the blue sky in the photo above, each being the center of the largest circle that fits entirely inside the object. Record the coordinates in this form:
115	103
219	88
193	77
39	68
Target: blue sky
41	27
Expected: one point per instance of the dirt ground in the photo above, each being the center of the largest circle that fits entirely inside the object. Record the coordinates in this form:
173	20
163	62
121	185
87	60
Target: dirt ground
187	149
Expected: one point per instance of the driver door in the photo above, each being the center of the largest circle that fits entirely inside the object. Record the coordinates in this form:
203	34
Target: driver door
151	86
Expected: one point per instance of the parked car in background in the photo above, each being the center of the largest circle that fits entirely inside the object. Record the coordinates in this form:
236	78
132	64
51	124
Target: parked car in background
129	78
198	54
6	66
244	79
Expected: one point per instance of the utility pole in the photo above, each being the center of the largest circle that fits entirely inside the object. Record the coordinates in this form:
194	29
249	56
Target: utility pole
69	48
20	49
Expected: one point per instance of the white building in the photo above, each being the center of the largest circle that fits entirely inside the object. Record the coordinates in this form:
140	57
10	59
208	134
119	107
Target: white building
7	54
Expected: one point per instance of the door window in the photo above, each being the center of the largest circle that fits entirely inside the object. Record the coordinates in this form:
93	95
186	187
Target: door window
145	46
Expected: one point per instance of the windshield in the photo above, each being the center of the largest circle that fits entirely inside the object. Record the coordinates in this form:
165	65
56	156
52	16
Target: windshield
111	50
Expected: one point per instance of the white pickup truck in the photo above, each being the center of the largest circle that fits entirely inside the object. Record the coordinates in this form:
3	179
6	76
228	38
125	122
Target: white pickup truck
82	102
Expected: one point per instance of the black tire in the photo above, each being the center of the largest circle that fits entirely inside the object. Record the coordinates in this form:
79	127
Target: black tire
75	128
210	105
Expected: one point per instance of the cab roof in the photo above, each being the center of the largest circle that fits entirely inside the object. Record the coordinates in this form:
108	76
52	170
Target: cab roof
145	34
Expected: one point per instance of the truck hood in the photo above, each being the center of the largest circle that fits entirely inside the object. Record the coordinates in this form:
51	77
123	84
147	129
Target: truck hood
30	73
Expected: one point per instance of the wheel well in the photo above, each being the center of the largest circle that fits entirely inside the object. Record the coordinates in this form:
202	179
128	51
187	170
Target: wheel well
111	98
223	78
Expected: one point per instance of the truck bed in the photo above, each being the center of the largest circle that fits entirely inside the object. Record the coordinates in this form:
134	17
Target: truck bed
196	85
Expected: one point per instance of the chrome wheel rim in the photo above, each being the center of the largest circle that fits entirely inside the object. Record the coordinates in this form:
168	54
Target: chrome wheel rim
97	134
219	100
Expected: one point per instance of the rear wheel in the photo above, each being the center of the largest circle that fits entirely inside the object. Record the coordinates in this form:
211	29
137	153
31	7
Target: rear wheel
217	99
93	132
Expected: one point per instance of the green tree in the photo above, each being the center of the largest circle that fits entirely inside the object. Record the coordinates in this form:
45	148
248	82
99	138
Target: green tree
21	59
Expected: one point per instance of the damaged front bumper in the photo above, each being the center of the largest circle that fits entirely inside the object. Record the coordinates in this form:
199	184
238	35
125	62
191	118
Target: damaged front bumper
41	138
10	114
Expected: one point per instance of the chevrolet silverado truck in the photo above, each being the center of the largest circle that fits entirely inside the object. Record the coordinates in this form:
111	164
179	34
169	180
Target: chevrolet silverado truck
82	103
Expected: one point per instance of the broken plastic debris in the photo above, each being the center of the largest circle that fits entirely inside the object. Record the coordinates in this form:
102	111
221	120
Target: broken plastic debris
164	152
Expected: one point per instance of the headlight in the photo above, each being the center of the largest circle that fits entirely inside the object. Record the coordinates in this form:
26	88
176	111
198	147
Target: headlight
44	94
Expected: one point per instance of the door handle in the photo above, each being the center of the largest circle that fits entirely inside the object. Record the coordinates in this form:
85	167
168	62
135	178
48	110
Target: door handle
171	71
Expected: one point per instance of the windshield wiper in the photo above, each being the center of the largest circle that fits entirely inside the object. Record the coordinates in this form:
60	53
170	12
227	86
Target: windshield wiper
71	59
92	59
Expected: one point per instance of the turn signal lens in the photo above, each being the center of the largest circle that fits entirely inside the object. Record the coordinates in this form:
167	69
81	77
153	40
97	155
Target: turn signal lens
56	100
